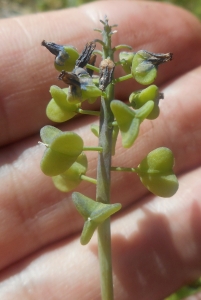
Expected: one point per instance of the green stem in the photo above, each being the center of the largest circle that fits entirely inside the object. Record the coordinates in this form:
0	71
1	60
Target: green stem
103	177
89	179
119	47
123	78
91	148
93	68
88	112
122	169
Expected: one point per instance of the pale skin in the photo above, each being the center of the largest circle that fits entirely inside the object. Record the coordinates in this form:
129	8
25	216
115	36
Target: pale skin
156	241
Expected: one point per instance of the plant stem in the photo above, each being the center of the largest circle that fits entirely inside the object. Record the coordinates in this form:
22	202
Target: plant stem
123	78
91	148
103	177
88	112
88	179
93	68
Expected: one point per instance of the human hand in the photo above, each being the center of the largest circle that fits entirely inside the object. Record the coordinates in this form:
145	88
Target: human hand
156	242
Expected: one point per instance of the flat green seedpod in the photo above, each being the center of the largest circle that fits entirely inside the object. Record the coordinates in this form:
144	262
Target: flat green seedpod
156	172
75	97
68	143
139	98
48	133
90	92
57	114
126	59
66	63
93	212
127	122
54	163
59	109
144	111
115	133
92	100
95	129
143	70
60	95
161	185
61	153
154	113
87	231
70	179
160	159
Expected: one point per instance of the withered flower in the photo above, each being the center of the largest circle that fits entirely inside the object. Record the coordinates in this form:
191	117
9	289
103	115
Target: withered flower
106	71
65	56
91	61
85	55
81	86
145	65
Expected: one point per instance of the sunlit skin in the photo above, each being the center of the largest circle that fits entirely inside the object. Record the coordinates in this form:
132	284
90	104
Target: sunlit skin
156	241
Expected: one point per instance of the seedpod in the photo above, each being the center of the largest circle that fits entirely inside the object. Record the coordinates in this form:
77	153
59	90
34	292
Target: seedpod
59	109
156	172
63	148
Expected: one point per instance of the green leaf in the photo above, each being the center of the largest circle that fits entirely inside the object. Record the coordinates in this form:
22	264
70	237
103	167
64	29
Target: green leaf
156	172
70	179
93	213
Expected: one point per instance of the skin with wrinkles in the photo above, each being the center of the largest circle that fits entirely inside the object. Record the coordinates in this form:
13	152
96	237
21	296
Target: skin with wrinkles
156	242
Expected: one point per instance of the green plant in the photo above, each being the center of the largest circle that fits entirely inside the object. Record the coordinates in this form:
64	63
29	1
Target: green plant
64	159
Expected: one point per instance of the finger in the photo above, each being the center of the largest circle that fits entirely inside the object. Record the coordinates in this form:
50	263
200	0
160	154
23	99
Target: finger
152	242
35	214
28	69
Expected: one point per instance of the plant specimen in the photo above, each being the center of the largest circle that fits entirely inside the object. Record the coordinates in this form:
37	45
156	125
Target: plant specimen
64	158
